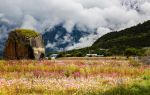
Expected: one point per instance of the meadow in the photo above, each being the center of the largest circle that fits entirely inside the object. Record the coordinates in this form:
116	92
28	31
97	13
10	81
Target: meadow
75	76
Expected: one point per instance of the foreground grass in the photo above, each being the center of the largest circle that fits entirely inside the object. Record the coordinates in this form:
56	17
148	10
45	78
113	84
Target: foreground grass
74	77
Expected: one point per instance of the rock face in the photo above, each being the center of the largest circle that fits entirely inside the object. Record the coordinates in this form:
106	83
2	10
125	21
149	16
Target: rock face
24	44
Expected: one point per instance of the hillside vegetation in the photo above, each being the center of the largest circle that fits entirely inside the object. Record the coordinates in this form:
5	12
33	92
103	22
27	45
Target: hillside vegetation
135	37
130	41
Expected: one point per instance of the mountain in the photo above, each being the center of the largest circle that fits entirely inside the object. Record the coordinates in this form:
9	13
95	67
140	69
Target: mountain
132	39
1	47
55	39
137	36
5	28
58	38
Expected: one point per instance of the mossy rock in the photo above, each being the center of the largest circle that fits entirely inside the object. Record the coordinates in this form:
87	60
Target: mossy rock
24	44
27	32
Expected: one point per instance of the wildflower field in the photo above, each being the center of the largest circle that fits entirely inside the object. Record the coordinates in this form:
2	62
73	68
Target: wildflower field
78	76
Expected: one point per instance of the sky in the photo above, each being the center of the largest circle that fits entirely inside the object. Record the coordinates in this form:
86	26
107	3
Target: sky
99	16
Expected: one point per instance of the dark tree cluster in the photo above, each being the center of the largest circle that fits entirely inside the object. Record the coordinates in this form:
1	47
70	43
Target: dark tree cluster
137	37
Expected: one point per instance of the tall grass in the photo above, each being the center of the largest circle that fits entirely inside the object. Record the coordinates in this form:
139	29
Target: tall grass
74	77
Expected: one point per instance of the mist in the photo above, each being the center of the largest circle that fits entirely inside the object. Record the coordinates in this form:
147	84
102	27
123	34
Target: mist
100	16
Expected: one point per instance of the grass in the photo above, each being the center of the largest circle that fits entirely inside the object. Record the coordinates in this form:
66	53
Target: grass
74	77
27	32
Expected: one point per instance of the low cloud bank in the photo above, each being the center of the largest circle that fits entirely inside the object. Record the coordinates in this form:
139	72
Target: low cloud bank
103	16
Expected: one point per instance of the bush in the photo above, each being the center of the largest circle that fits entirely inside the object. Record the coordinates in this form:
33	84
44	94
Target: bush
133	52
78	54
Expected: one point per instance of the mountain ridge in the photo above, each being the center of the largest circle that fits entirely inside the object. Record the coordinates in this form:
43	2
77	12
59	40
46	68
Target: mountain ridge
60	38
136	36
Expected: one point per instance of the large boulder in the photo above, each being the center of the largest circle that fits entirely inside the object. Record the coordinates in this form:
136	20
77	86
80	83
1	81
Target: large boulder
24	44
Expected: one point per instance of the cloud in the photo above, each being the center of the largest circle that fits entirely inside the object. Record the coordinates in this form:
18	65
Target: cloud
69	24
50	45
146	7
29	23
90	14
88	40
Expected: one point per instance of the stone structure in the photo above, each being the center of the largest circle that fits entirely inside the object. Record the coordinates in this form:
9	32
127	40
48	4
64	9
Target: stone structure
24	44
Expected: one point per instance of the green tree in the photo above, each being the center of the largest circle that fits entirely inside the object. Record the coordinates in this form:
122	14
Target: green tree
79	54
133	52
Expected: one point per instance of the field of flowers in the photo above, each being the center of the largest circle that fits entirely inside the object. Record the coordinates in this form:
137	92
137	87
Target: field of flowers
99	76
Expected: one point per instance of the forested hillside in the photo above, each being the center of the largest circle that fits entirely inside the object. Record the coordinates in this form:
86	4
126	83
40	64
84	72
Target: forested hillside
130	41
137	37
